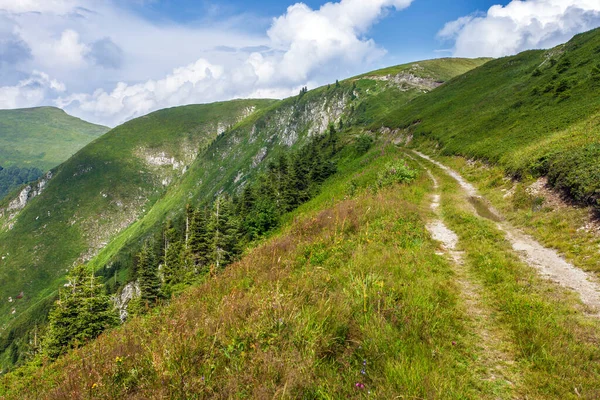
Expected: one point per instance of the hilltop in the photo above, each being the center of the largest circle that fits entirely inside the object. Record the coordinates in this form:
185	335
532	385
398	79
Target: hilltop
34	140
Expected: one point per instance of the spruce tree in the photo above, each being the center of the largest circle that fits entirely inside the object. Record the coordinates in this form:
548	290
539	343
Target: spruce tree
148	276
172	249
199	240
81	313
224	231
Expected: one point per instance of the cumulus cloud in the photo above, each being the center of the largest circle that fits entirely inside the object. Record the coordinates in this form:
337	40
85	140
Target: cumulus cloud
312	38
29	92
119	66
521	25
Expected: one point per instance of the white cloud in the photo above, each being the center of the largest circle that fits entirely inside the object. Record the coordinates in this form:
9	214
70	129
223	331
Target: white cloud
521	25
23	6
119	66
29	92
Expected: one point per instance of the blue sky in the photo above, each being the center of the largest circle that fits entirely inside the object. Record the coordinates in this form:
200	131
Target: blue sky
109	61
418	25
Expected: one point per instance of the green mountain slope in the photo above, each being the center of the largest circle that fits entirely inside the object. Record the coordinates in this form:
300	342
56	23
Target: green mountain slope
351	297
78	207
33	140
102	202
534	113
42	137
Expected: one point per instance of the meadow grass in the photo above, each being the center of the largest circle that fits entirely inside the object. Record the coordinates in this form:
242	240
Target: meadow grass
556	344
349	300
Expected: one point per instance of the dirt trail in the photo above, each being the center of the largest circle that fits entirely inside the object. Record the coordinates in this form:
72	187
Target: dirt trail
547	261
493	343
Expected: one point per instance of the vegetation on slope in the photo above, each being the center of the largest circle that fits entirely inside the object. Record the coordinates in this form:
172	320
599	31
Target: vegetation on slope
39	139
328	308
534	113
120	190
14	177
323	310
93	196
42	137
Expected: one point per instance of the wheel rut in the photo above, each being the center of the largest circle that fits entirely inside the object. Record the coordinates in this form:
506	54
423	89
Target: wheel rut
547	262
493	344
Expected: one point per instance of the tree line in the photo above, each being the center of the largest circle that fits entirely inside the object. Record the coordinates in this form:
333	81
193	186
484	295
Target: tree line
206	239
12	177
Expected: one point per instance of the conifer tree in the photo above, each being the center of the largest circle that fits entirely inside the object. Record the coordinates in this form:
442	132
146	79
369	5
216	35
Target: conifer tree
224	231
148	275
171	255
199	240
81	313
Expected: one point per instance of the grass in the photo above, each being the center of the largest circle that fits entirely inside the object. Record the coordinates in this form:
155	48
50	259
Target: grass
42	137
557	352
553	221
106	199
326	308
533	113
103	188
440	70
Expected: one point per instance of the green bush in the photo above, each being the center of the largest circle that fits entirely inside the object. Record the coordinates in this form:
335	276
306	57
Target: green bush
396	172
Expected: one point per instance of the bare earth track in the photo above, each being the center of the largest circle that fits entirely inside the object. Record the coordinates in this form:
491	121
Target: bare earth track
546	261
493	343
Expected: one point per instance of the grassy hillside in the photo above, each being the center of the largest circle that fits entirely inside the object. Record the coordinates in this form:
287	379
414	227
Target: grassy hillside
243	152
97	193
120	189
42	137
329	308
534	113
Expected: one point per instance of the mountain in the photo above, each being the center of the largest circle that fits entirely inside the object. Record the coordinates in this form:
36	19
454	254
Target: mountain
121	188
401	275
534	113
39	138
67	216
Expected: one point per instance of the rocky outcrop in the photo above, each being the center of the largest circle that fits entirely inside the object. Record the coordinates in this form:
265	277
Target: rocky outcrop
24	197
124	296
29	193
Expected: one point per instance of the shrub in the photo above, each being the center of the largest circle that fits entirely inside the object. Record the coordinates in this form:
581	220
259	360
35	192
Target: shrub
363	144
396	172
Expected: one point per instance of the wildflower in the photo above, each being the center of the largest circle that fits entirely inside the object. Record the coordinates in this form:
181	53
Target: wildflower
365	362
94	386
118	360
360	385
453	343
362	371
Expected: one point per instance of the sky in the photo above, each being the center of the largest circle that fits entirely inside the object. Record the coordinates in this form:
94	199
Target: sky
108	61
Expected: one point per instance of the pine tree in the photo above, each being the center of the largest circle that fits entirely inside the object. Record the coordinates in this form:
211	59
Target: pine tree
224	231
299	179
171	255
82	312
199	240
148	276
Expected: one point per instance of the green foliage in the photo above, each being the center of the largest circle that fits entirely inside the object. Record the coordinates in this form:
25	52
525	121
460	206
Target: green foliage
147	269
42	137
499	114
396	172
363	144
214	236
14	177
115	178
81	313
